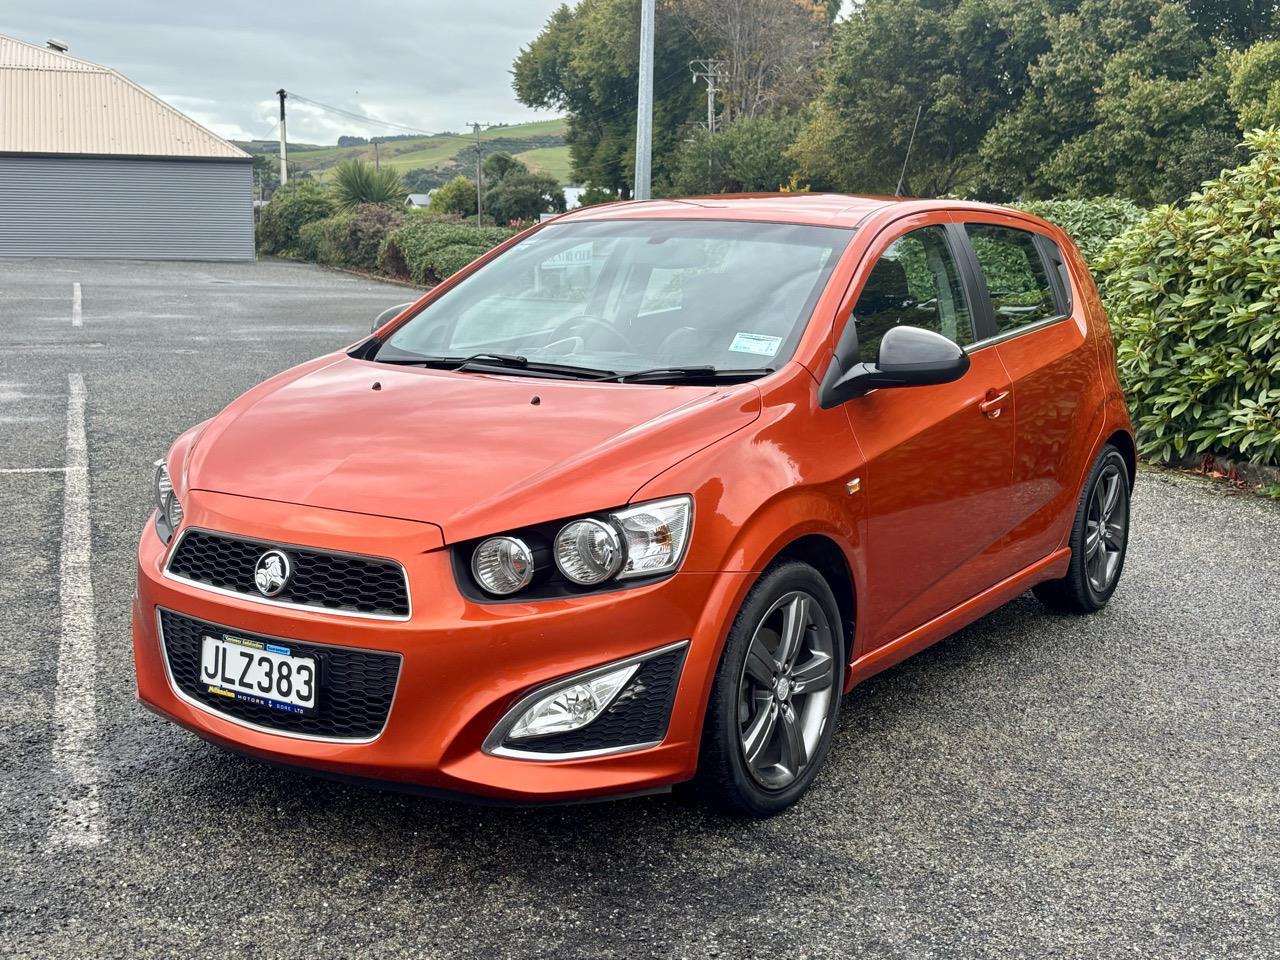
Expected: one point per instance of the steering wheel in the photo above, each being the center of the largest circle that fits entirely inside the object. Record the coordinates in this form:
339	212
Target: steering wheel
571	327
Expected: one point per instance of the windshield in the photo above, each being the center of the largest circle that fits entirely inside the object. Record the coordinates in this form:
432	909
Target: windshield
627	295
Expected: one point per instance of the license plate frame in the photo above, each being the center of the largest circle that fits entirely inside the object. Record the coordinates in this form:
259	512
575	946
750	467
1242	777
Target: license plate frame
272	651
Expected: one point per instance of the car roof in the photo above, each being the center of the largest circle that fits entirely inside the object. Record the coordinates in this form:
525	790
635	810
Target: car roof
819	209
827	209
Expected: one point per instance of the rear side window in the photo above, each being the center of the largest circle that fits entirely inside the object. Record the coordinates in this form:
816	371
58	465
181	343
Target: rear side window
1021	292
915	282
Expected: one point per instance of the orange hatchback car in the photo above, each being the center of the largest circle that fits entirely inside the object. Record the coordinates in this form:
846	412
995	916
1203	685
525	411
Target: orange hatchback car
632	500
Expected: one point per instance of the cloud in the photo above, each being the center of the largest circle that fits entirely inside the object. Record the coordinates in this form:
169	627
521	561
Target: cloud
433	65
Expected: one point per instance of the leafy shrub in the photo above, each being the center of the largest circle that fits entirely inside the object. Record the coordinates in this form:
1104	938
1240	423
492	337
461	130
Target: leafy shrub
1194	294
294	205
458	196
312	235
748	156
523	196
350	238
1092	224
593	195
356	182
426	249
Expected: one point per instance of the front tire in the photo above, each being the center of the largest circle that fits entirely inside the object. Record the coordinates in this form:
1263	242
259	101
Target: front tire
776	695
1099	540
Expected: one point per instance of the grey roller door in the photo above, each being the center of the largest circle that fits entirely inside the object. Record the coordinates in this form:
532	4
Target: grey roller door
126	207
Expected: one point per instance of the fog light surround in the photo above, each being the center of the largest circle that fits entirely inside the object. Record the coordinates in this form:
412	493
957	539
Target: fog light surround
571	703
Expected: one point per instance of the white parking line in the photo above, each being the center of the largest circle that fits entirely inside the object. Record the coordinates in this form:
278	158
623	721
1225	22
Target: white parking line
75	818
32	469
77	318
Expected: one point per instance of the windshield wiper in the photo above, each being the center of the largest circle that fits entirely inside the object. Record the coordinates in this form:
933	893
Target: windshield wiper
680	374
506	362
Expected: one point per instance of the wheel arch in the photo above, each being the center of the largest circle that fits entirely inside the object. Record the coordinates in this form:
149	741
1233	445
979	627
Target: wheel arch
825	555
1122	440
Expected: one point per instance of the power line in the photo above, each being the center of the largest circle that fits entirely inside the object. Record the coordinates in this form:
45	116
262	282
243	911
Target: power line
376	121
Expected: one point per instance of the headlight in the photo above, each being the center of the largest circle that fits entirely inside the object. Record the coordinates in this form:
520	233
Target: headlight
588	551
654	536
644	540
571	707
502	565
168	506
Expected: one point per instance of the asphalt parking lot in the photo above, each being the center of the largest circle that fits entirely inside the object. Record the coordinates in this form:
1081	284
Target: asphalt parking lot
1036	786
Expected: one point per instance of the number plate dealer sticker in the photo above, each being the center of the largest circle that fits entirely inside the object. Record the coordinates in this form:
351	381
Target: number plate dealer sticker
264	674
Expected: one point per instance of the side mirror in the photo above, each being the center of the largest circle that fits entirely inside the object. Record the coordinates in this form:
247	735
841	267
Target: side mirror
388	314
908	357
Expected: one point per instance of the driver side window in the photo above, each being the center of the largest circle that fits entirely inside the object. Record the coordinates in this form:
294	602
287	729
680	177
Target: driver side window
915	282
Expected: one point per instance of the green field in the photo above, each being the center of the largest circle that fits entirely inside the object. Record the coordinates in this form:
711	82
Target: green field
539	144
552	160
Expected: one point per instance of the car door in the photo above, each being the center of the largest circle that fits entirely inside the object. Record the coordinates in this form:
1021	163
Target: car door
1043	340
939	458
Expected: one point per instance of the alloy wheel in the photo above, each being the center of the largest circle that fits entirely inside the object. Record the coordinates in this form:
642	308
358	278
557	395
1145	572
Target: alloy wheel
1106	529
785	690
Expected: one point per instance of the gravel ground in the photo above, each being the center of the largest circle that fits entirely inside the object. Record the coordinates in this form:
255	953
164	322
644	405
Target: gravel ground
1036	786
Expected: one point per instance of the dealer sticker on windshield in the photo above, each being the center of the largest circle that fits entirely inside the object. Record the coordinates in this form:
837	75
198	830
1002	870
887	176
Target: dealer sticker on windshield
756	343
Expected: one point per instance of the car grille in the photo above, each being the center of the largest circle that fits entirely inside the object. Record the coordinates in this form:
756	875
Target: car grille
638	714
352	700
327	581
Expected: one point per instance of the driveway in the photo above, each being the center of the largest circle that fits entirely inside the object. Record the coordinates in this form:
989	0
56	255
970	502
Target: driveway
1036	786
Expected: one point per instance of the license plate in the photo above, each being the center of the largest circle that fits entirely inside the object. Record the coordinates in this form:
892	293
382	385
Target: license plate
265	674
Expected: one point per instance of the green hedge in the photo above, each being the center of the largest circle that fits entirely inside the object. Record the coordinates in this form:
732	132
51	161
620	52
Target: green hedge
426	249
1194	295
1092	224
349	239
292	207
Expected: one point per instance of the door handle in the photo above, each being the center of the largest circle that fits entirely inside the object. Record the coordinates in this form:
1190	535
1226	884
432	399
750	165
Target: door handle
993	405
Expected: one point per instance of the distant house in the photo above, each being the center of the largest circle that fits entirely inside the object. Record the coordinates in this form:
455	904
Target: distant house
92	165
418	199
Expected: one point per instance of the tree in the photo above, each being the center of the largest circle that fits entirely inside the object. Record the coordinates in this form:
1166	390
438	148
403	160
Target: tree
498	165
1238	22
748	157
771	50
584	63
356	182
426	179
1128	97
1255	85
457	196
963	64
523	196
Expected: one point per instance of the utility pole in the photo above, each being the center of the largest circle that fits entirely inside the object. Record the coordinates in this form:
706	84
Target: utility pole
377	163
644	105
475	128
713	72
284	158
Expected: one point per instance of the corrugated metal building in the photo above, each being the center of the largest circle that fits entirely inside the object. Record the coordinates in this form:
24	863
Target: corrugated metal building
92	165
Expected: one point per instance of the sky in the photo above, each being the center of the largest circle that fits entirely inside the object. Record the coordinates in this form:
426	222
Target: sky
431	65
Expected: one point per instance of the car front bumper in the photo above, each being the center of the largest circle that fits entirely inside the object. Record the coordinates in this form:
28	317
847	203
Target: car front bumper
463	664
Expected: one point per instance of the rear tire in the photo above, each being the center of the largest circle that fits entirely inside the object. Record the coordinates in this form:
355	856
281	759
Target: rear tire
1099	540
775	697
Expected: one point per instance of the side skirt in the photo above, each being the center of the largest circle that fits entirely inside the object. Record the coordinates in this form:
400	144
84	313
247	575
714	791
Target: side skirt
886	655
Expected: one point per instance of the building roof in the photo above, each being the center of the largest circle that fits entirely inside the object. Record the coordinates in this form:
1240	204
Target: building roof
58	104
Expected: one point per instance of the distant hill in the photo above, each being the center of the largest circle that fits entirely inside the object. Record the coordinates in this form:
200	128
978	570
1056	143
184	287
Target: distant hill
540	145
